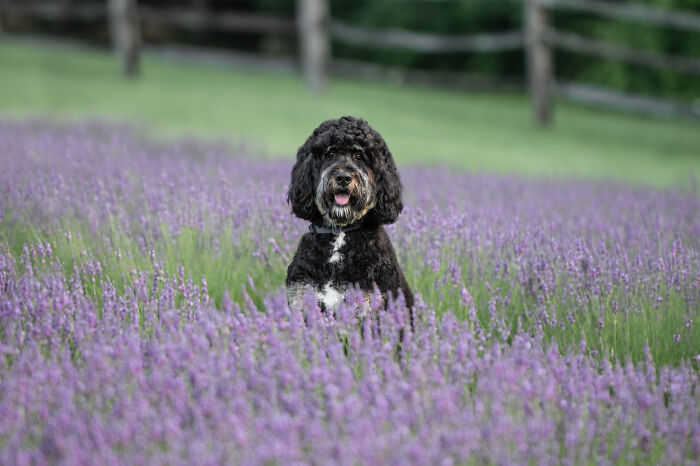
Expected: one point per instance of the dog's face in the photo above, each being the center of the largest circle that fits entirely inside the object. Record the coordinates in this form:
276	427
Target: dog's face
345	187
345	174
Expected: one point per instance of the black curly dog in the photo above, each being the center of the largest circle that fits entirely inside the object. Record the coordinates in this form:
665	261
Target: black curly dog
345	183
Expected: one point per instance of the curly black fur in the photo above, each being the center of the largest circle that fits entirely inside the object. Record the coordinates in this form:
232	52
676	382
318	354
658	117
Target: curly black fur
345	176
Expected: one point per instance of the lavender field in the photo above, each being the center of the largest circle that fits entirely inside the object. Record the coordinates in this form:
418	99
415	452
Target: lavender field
143	318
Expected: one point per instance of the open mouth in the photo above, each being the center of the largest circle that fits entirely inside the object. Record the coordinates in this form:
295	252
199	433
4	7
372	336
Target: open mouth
342	198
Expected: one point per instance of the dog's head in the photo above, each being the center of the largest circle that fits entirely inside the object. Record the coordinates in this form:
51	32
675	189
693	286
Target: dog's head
345	174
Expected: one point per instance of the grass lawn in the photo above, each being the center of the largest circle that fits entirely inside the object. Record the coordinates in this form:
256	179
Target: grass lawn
273	112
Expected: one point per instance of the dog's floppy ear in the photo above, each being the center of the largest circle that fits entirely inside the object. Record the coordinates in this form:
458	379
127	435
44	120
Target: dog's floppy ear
302	188
389	189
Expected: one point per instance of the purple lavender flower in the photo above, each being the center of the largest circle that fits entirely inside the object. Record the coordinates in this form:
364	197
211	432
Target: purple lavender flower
142	317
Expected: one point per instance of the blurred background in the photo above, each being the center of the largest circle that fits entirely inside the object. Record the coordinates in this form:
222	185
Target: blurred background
581	88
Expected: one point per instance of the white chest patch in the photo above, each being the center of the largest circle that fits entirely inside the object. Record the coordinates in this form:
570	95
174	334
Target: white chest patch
339	242
330	297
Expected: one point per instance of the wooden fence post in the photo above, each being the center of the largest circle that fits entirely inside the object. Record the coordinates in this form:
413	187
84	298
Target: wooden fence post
202	9
314	43
539	60
124	24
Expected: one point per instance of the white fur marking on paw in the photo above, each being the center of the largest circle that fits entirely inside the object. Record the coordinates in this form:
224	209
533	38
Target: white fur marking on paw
336	256
330	297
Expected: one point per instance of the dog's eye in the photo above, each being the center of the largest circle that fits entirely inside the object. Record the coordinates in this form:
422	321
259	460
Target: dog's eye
357	156
330	154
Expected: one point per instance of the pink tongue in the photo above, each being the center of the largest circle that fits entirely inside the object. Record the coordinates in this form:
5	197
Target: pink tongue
342	199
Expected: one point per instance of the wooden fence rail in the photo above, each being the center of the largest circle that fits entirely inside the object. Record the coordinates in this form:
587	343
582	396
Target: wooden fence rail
223	21
56	11
427	43
633	103
631	12
184	18
587	45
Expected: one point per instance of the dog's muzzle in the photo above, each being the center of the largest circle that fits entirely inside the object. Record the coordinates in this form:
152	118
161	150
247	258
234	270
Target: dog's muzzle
344	194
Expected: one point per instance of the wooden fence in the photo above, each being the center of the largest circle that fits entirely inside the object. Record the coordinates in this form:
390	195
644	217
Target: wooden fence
314	29
541	38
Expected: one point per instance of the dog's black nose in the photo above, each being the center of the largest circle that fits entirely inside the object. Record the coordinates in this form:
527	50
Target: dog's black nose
343	179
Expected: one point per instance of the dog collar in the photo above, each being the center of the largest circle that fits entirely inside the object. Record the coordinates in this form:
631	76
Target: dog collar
334	229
